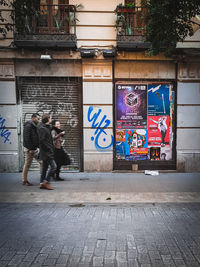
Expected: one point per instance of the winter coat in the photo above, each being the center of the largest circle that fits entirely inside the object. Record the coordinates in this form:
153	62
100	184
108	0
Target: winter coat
57	139
45	142
30	136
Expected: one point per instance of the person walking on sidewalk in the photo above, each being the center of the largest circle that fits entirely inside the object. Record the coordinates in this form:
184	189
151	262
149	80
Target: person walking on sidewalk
31	144
60	156
46	152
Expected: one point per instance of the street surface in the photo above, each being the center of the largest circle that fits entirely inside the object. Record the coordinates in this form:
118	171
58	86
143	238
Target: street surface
132	220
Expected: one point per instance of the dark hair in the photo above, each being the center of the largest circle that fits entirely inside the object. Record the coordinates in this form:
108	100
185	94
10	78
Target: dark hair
34	115
53	122
45	118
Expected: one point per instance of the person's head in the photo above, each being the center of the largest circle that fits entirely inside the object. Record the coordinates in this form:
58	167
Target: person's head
35	117
163	156
56	124
46	119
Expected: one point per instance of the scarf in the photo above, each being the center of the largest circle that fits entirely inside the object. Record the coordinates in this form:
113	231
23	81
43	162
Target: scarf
57	130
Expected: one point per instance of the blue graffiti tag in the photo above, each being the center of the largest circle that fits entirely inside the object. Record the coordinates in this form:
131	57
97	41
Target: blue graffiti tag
4	133
100	128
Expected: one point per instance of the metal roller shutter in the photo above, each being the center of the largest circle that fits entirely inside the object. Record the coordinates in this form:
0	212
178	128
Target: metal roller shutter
61	97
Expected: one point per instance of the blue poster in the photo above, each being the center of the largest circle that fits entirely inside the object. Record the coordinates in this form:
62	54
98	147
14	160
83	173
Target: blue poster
120	148
158	99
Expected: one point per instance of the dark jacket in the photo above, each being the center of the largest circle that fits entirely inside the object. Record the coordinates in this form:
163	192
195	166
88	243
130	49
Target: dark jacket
30	136
45	142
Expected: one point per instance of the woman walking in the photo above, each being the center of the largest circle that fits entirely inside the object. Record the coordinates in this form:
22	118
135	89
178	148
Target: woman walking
59	154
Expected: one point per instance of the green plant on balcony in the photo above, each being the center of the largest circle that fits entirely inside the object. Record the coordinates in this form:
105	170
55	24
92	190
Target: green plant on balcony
72	19
121	25
27	14
130	19
22	13
125	7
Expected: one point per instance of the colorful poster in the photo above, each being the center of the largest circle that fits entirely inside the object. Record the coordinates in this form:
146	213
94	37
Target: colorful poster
158	99
120	135
120	144
136	142
158	130
131	106
120	150
155	153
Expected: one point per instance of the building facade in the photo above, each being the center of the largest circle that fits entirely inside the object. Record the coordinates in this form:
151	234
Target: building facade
120	108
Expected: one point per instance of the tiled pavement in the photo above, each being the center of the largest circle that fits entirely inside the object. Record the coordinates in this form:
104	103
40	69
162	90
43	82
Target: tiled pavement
100	235
76	225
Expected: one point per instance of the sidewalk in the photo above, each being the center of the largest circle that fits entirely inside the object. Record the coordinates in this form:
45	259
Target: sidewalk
75	225
104	188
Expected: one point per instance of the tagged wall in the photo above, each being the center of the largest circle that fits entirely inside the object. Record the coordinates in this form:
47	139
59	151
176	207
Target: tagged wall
97	116
8	119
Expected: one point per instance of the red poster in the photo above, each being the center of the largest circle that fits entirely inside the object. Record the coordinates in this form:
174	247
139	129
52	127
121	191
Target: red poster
158	130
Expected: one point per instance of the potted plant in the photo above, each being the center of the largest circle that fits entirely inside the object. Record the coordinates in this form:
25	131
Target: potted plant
127	8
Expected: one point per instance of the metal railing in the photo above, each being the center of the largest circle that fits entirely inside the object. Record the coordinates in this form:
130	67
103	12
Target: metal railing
131	21
52	19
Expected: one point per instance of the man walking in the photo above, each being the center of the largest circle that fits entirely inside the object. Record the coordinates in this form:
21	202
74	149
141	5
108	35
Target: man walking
31	144
46	152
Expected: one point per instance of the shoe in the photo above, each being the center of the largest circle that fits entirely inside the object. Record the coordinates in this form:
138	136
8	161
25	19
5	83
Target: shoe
27	183
42	186
47	186
58	179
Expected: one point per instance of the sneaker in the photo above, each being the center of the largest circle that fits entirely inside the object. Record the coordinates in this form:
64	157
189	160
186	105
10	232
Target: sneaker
47	186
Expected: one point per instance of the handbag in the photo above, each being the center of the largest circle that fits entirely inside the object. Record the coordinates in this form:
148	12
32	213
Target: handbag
65	157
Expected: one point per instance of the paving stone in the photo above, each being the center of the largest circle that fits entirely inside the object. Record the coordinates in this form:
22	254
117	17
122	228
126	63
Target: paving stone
97	261
40	259
24	264
125	235
132	254
154	255
180	263
30	256
4	263
8	256
49	262
16	260
63	258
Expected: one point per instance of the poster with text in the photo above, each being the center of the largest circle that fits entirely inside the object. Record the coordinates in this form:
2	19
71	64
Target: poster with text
136	142
158	99
131	106
158	130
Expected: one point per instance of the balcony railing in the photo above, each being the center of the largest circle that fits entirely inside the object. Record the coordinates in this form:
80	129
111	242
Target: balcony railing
131	28
49	26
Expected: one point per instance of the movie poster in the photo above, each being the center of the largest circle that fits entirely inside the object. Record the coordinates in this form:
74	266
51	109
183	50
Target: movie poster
131	106
120	144
158	131
136	144
158	99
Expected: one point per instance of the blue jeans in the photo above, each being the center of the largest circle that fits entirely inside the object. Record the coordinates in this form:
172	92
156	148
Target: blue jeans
45	165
